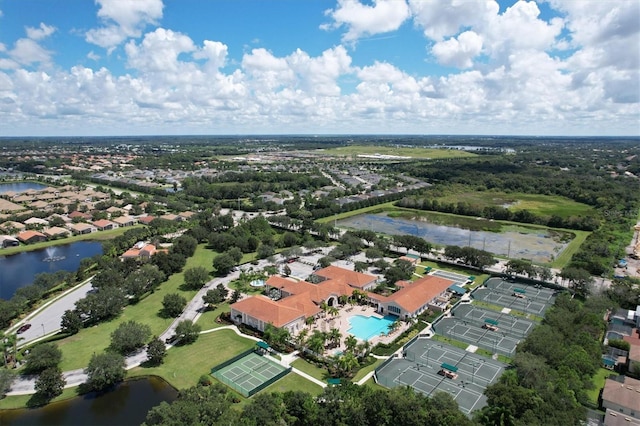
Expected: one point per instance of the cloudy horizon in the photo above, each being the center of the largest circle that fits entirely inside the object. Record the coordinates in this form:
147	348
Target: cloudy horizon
478	67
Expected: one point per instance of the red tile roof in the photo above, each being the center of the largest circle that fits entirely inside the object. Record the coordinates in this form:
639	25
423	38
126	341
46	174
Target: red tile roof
268	311
417	294
353	278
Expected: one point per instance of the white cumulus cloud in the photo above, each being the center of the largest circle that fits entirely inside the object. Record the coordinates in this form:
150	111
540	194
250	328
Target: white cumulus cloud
123	19
363	20
41	32
458	52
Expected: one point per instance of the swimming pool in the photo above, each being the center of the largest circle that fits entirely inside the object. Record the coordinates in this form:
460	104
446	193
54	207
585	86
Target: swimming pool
364	328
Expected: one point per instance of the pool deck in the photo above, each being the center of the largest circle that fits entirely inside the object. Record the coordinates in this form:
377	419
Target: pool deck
341	322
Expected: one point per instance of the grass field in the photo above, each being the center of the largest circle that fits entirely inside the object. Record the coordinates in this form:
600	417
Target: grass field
184	365
293	382
310	369
598	381
208	319
78	349
413	153
538	204
366	370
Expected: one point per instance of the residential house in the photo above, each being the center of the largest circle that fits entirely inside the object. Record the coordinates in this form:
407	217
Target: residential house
30	237
124	221
104	225
36	222
8	241
141	250
79	215
622	397
11	227
146	220
56	232
81	228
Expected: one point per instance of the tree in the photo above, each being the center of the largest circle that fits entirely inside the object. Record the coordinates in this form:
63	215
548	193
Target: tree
6	378
156	351
185	245
142	280
173	304
579	279
286	270
216	295
350	342
223	264
195	278
71	322
129	336
188	331
105	370
43	356
50	383
360	266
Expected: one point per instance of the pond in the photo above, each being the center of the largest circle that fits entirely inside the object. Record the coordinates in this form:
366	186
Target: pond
20	186
515	242
128	404
20	269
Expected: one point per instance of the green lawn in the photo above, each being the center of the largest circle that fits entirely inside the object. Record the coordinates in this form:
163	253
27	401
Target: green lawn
538	204
20	401
208	319
366	370
598	381
184	365
414	153
310	369
372	384
78	349
293	382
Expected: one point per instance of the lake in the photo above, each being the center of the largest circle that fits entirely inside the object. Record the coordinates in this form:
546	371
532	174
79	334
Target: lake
20	186
515	242
128	404
20	269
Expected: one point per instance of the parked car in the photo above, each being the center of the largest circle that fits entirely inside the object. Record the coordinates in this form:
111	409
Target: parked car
23	328
171	339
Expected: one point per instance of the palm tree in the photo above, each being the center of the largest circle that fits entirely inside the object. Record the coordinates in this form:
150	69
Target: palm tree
324	307
346	363
335	336
343	299
350	342
333	311
316	343
309	321
301	337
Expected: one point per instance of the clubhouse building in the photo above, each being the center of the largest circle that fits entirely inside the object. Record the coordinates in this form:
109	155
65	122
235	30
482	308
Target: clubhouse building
291	302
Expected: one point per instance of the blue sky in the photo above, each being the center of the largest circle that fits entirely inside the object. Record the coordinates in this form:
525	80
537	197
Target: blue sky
119	67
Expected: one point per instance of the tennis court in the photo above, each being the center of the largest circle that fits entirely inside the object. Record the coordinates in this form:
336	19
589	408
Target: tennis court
538	293
515	326
494	341
422	368
522	304
458	279
249	373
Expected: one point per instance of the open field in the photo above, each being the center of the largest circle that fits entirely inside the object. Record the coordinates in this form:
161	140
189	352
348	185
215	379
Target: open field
77	349
413	153
310	369
184	365
538	204
598	381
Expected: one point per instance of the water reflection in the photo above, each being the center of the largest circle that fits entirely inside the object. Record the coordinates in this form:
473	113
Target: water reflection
128	404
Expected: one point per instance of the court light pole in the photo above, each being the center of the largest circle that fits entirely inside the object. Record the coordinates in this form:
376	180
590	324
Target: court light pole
473	375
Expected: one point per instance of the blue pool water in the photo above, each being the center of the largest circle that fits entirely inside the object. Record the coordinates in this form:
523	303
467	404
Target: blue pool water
364	328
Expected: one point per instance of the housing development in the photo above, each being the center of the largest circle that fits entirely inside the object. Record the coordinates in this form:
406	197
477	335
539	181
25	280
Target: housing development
472	277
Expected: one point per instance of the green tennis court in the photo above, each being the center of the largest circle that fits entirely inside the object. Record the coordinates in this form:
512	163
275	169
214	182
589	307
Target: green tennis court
249	373
515	326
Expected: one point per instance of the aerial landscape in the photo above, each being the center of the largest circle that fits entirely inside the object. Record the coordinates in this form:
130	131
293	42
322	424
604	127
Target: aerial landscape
342	212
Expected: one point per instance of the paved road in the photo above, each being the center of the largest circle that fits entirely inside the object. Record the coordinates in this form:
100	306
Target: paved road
46	320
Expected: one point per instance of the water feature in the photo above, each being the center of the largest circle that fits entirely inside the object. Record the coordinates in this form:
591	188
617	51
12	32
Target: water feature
20	186
128	404
20	269
52	256
365	328
516	242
